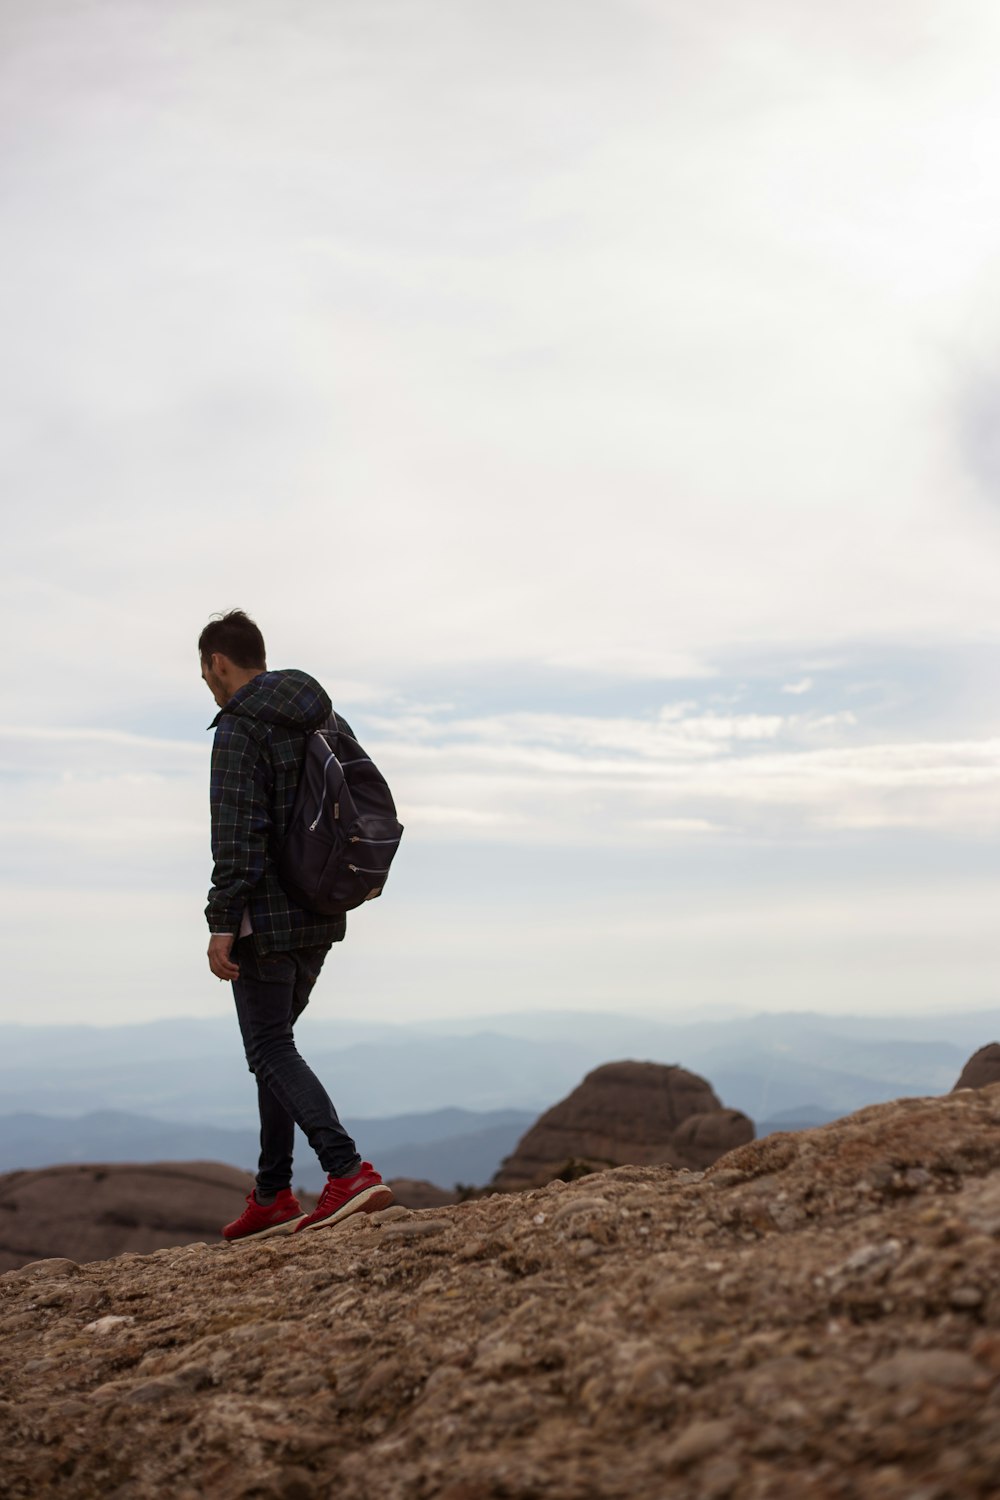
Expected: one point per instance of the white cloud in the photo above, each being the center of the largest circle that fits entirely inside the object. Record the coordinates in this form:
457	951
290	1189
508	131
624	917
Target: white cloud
567	780
105	870
605	342
608	361
68	745
949	787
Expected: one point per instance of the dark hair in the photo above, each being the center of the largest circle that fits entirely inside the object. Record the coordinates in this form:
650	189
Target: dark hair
235	635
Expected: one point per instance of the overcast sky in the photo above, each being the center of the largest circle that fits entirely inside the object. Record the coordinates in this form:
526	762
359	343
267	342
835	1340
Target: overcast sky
600	398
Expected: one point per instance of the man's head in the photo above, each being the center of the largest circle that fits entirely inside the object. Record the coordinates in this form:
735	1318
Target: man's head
232	653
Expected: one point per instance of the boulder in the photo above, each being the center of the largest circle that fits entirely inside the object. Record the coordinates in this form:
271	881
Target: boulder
982	1069
416	1193
90	1212
700	1140
627	1113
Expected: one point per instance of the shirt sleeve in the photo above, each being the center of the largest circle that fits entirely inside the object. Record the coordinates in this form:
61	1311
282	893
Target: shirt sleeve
241	821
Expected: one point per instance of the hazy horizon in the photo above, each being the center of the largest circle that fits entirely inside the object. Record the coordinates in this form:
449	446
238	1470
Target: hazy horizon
328	1018
183	1071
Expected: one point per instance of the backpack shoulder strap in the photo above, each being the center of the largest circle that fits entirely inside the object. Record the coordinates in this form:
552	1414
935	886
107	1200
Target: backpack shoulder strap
340	724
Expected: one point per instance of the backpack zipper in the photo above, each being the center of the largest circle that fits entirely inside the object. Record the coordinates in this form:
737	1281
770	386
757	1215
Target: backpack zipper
336	806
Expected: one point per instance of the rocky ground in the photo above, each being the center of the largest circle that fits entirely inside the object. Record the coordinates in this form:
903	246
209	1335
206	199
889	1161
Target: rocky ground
817	1317
93	1211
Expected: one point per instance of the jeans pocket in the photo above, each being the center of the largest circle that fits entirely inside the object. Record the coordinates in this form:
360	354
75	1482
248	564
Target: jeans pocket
269	967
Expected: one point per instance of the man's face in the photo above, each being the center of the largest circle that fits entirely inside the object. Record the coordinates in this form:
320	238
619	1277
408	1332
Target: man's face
215	684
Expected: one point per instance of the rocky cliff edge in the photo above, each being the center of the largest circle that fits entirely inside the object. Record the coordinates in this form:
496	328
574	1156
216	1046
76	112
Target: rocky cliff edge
817	1317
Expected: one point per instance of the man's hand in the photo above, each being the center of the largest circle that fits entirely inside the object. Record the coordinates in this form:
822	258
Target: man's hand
221	965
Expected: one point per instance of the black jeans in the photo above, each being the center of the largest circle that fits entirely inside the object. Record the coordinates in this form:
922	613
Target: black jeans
271	993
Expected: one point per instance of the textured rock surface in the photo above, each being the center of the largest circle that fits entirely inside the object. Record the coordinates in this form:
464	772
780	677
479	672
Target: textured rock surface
627	1113
982	1068
817	1317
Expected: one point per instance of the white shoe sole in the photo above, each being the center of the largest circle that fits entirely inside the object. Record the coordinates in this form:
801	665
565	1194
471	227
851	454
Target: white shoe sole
367	1202
262	1234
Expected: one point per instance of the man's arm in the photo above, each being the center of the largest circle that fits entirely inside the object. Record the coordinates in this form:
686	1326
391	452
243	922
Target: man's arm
241	825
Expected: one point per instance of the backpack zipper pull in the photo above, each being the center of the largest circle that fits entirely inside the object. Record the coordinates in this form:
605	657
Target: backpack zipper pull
336	814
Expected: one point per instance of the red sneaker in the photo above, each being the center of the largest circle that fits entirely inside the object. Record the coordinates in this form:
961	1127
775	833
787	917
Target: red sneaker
260	1219
364	1191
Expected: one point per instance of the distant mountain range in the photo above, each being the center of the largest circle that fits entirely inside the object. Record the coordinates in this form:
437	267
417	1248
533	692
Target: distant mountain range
445	1146
105	1093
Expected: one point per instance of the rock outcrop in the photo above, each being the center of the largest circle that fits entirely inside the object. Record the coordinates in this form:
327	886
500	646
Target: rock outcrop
983	1068
98	1211
817	1317
627	1113
413	1193
91	1212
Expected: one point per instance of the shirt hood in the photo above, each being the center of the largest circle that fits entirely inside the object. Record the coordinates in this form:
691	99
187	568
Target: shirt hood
289	698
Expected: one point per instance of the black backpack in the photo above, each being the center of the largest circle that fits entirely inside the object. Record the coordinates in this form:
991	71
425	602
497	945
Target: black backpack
343	830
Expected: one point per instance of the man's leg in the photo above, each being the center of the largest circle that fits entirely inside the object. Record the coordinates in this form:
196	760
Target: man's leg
277	1140
271	993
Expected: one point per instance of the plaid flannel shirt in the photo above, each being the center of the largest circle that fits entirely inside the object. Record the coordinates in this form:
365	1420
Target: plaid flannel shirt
257	754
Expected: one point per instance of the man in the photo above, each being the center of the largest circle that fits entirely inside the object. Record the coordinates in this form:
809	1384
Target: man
269	948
